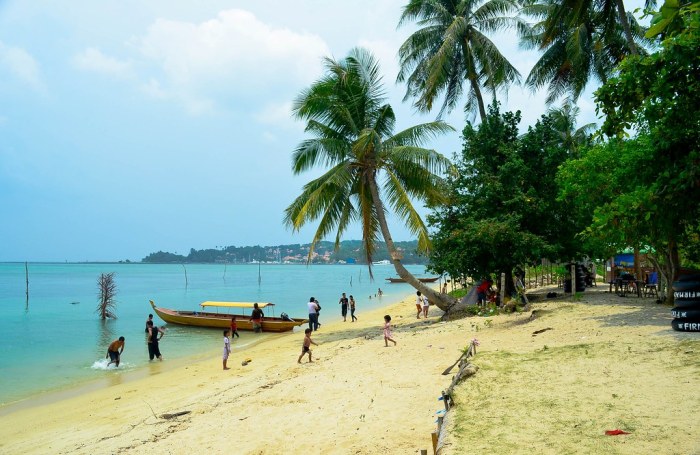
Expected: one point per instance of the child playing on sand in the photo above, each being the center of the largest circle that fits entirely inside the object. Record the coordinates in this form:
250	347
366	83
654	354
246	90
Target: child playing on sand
227	347
234	328
306	347
387	331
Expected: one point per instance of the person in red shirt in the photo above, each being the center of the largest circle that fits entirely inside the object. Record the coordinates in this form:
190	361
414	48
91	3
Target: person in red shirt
234	328
483	289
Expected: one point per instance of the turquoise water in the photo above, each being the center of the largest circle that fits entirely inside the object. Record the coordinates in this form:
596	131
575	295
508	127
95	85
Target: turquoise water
56	339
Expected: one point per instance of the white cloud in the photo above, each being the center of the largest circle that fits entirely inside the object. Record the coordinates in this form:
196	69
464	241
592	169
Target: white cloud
234	55
278	114
22	65
92	59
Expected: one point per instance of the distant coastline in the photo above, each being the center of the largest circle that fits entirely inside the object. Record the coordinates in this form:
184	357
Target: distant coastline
349	252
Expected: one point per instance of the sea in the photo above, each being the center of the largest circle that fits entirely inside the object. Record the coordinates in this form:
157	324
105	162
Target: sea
52	339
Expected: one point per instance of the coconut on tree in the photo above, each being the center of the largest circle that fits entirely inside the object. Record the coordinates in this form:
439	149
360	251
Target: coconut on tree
370	169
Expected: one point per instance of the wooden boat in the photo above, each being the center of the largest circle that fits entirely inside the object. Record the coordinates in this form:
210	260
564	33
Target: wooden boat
222	319
422	280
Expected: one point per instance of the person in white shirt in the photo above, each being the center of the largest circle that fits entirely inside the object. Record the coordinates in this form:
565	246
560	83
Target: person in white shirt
313	313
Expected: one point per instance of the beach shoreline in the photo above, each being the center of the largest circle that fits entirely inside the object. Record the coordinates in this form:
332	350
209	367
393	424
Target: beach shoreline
360	397
116	376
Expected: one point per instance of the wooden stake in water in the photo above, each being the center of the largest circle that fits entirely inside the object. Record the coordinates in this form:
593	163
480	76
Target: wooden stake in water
26	277
186	283
259	277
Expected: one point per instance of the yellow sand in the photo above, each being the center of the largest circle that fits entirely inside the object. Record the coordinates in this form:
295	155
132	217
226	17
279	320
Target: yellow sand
612	363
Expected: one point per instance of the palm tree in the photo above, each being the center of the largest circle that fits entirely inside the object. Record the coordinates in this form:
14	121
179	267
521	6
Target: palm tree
579	39
352	131
452	48
572	138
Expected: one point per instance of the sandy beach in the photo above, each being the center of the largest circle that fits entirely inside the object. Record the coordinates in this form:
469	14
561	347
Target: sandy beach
601	363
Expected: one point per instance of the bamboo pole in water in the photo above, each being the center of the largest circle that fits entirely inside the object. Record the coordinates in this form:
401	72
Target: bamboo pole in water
185	268
26	278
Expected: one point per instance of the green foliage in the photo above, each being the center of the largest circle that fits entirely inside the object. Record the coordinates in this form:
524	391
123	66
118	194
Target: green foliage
649	183
673	17
451	49
352	135
503	209
579	40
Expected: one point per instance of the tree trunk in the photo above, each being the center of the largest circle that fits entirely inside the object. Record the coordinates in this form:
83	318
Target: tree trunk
509	285
479	97
442	301
626	27
637	265
667	262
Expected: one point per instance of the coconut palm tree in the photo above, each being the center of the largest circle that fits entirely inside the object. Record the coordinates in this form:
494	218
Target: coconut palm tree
368	165
564	118
451	47
579	40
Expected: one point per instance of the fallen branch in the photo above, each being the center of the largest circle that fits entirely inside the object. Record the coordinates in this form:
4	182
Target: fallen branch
173	415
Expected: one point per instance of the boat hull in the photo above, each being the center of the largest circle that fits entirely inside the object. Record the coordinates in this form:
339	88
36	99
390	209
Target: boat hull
223	320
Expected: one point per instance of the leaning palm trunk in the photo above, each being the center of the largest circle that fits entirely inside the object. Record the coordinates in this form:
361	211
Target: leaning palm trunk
442	301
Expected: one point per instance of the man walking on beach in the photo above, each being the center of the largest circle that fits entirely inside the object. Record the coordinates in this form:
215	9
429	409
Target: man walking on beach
313	314
114	351
343	306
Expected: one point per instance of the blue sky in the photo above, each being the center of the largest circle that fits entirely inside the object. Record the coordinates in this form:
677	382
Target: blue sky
130	127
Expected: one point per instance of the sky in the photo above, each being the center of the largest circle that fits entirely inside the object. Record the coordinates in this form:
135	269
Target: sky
129	127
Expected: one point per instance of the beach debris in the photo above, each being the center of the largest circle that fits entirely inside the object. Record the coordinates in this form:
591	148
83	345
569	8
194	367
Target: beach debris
173	415
536	332
615	432
246	361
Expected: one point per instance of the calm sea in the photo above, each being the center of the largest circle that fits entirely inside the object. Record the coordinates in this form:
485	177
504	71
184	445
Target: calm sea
55	339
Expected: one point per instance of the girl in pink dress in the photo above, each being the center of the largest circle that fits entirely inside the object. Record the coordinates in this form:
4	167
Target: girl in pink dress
387	331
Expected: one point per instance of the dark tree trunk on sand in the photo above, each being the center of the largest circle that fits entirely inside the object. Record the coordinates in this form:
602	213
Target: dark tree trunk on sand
509	283
442	301
667	262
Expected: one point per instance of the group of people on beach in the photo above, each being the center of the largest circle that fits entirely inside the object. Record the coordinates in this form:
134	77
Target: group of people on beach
153	336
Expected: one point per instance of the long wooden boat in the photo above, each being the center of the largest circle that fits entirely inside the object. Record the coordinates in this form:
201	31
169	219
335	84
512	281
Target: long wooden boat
222	319
422	280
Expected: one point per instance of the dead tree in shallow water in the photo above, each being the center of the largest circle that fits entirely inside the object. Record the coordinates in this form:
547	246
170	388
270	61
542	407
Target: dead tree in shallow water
107	293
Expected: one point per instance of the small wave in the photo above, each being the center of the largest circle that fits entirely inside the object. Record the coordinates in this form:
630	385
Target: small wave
103	365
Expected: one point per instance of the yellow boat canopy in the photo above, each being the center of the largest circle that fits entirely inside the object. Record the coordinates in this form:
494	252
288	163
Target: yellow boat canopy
236	304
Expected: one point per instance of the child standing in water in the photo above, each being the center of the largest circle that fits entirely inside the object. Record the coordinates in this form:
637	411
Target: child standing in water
387	331
306	347
227	347
234	328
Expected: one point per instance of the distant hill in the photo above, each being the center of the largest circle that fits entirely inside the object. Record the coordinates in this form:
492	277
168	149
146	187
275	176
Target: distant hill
350	251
